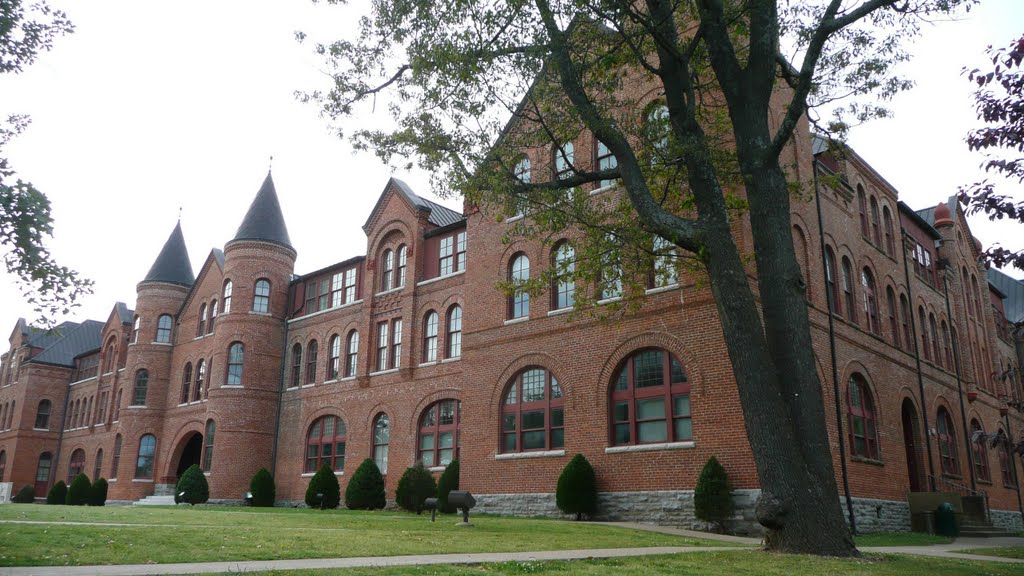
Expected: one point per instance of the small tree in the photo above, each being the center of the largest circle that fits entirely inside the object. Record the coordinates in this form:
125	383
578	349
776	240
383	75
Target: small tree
78	492
263	490
192	487
414	487
365	490
577	488
712	500
98	493
449	481
326	483
26	495
58	494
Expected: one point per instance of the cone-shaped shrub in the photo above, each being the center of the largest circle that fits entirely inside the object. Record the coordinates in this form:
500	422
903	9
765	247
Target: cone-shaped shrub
365	490
448	481
78	492
712	499
98	493
577	488
193	484
26	495
415	486
326	483
263	489
58	494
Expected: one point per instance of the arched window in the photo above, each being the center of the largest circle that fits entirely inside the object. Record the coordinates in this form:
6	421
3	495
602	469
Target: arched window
867	280
97	468
141	386
609	279
236	353
563	281
657	130
650	400
533	413
862	207
334	362
604	160
894	326
227	296
454	335
10	415
213	316
211	430
977	298
664	272
831	287
890	244
325	445
261	296
163	329
87	414
979	451
922	320
3	464
905	318
43	473
311	353
851	308
381	439
430	337
186	383
197	391
564	158
296	365
43	415
111	358
117	456
863	431
352	359
967	292
876	233
135	334
201	327
400	273
947	442
117	406
77	464
519	273
1005	461
74	416
144	464
935	338
387	270
439	433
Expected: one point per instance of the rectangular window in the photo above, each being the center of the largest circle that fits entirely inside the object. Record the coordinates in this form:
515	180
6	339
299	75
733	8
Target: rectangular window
382	346
336	290
460	251
322	298
350	285
447	262
396	344
310	306
605	160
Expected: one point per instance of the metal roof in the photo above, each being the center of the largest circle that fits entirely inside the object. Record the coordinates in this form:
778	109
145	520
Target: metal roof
172	265
1013	304
264	220
76	340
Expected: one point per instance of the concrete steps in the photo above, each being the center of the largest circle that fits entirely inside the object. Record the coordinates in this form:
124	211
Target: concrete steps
971	528
155	501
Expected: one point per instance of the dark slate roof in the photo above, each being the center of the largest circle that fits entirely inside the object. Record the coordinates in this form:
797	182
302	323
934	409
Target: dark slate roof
172	265
42	338
438	215
218	255
123	313
1014	291
73	342
264	220
919	220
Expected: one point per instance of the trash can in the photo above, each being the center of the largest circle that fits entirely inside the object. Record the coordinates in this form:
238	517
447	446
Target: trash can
945	520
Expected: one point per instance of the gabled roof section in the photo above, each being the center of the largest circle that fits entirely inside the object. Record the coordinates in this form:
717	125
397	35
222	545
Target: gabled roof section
172	265
215	257
438	215
123	313
1013	303
264	220
43	338
76	340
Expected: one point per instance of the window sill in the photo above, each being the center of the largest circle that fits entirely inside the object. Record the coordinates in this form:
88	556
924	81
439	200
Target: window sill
311	474
255	313
611	300
73	383
515	218
602	189
439	278
436	469
347	379
199	337
559	311
40	429
452	359
382	372
983	481
143	480
134	407
104	374
389	291
307	385
232	386
539	454
864	460
168	344
661	289
650	447
516	320
111	480
425	364
325	311
331	381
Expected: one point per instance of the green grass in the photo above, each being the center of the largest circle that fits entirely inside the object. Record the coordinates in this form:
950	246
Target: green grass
900	539
183	534
1004	552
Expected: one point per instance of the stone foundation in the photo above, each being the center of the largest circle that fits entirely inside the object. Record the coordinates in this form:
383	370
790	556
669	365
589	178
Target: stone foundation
1009	519
878	515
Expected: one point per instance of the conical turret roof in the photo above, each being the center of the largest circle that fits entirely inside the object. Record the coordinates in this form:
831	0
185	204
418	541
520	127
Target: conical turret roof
172	265
264	220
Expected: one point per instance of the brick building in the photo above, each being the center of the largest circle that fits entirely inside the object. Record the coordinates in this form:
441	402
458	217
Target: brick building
411	353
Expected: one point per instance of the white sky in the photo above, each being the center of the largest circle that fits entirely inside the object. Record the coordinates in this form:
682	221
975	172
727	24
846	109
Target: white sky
152	106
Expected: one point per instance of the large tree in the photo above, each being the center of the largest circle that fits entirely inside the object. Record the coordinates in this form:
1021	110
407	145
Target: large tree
697	101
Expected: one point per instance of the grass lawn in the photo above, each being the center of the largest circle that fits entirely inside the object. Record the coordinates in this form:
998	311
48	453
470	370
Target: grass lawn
183	534
900	539
1005	552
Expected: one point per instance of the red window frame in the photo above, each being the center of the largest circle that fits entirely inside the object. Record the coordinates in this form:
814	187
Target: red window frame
352	355
76	465
946	436
334	357
862	206
200	381
453	332
863	441
624	423
980	453
116	460
551	408
876	235
261	296
163	329
296	379
851	307
145	463
894	327
139	390
318	438
430	330
208	439
386	270
832	286
870	301
311	353
1005	461
381	442
432	426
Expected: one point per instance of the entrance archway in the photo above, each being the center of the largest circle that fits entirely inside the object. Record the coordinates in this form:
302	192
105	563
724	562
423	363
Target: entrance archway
911	443
190	453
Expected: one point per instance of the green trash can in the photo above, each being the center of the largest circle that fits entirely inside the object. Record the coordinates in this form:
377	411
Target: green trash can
945	520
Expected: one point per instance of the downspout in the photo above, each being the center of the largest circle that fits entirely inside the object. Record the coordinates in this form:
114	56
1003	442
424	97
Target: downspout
917	359
959	384
832	351
280	396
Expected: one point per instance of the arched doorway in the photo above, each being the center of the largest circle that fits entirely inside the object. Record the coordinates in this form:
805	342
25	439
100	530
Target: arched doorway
190	453
911	442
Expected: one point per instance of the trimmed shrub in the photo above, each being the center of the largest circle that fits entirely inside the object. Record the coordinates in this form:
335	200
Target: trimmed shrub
415	486
365	490
194	485
78	492
448	481
577	488
263	490
58	494
326	483
712	498
98	493
26	495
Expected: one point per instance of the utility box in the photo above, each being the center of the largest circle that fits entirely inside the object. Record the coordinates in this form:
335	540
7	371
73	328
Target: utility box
945	520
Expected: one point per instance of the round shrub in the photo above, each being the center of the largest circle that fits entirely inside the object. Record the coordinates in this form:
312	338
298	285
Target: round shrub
712	498
415	486
58	494
98	493
263	489
577	488
326	483
365	490
26	495
448	481
192	487
78	492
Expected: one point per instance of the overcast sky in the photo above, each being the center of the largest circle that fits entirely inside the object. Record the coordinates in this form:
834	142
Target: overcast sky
154	106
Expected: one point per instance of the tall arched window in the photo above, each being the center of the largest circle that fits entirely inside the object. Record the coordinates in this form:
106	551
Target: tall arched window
894	325
387	270
890	244
381	440
197	391
116	460
664	272
862	208
400	272
563	281
832	289
74	416
311	354
140	388
201	327
876	233
97	468
135	334
947	442
454	335
650	400
867	280
430	337
261	296
922	321
851	308
325	444
43	469
76	465
863	431
147	451
905	318
227	296
186	383
334	362
604	160
935	338
564	160
117	406
533	413
439	433
213	316
296	365
658	129
111	358
10	415
236	353
519	273
163	329
211	430
352	358
1005	461
979	451
43	415
3	464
